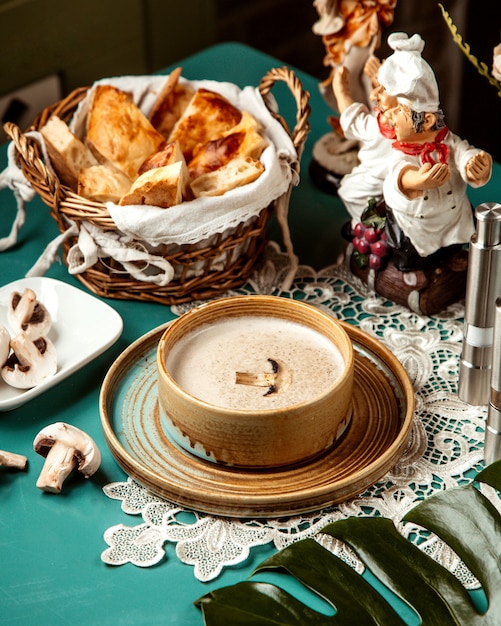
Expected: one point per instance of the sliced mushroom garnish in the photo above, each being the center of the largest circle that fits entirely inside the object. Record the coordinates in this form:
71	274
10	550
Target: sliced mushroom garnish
277	380
65	448
30	363
26	314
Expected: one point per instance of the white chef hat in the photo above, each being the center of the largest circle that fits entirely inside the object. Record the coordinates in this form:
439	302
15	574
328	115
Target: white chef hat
407	76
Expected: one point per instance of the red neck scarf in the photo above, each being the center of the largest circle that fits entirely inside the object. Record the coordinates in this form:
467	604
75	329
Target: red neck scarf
425	150
385	129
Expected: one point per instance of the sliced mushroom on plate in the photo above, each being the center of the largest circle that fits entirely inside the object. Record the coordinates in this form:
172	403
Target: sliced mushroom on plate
30	363
65	448
4	345
27	314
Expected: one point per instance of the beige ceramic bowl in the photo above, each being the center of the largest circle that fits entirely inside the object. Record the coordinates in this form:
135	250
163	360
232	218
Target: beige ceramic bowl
249	436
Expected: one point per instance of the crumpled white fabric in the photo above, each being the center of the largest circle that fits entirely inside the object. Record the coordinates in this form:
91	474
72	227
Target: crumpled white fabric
190	222
93	244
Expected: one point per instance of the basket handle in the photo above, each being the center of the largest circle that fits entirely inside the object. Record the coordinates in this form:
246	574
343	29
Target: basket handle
42	178
301	96
28	150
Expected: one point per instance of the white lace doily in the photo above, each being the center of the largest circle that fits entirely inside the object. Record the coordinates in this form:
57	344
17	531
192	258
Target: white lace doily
446	442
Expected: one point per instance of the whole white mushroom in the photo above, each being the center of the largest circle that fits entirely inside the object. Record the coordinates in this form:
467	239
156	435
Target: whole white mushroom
65	448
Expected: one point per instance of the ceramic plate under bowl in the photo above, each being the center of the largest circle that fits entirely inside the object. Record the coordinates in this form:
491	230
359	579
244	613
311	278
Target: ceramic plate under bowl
82	328
383	408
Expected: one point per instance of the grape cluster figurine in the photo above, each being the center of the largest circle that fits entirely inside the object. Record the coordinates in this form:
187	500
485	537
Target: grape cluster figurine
370	245
369	238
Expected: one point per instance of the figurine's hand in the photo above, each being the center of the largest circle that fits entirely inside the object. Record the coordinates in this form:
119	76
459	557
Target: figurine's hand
371	69
341	87
414	181
478	168
434	176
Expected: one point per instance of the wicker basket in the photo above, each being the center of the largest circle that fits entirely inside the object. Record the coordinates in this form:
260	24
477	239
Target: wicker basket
201	271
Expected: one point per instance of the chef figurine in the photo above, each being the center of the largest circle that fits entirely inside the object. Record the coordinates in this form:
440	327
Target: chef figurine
374	134
427	208
427	216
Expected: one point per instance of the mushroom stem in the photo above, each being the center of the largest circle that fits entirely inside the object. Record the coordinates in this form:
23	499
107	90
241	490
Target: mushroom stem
260	379
13	460
59	463
26	351
26	305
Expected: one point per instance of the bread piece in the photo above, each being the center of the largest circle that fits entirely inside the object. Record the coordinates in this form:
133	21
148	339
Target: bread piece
66	152
207	116
243	140
237	172
254	142
214	154
247	123
161	186
102	183
118	132
170	103
166	156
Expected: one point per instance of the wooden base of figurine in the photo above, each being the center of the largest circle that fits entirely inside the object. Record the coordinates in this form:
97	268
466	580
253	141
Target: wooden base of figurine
427	292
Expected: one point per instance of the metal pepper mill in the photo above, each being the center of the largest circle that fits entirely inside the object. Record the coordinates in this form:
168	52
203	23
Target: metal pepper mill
492	443
483	285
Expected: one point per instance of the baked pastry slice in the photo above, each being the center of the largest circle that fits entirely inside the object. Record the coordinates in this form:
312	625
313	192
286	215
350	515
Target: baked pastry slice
162	186
118	132
171	103
103	183
66	152
241	141
237	172
208	115
166	156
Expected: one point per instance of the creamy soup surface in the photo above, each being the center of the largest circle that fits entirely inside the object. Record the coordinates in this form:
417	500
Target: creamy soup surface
282	363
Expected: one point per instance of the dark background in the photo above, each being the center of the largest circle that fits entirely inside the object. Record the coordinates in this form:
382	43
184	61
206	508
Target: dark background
81	42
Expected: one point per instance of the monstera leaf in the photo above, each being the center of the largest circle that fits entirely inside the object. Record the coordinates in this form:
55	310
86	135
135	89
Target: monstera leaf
462	517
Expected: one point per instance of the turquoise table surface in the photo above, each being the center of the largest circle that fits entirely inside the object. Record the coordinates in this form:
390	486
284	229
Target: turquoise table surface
50	546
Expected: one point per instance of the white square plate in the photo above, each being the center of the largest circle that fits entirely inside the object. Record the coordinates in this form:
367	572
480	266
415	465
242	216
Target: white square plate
82	328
